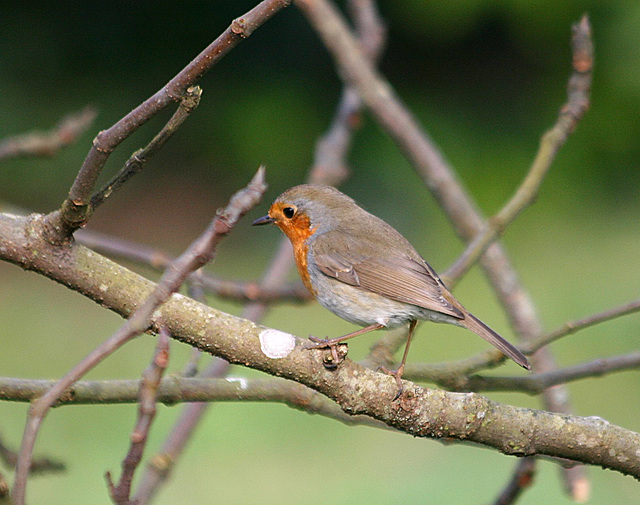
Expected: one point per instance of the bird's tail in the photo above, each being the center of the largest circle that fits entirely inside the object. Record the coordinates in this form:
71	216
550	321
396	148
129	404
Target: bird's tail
479	328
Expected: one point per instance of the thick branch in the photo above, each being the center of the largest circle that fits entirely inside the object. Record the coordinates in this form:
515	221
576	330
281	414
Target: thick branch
421	412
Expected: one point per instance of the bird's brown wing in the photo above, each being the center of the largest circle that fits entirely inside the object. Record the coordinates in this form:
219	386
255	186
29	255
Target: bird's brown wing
396	277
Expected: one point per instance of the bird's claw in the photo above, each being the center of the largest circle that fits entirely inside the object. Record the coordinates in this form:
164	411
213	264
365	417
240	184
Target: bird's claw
335	357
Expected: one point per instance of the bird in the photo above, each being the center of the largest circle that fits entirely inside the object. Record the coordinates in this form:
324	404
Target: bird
364	271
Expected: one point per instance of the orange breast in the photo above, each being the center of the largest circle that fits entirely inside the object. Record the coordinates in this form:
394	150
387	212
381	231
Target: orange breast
298	231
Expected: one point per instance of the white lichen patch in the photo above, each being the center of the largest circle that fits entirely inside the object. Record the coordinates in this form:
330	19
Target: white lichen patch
276	344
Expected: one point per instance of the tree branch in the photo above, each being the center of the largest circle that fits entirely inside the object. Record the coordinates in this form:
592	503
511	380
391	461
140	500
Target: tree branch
539	382
571	113
147	393
421	412
199	253
177	389
138	160
48	144
76	208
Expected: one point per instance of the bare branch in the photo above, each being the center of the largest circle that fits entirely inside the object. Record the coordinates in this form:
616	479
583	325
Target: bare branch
147	394
571	113
137	161
233	290
539	382
76	208
176	389
48	144
331	149
581	324
199	253
421	412
521	479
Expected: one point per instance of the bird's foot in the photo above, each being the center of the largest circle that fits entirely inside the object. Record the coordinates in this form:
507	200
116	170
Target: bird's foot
397	375
335	357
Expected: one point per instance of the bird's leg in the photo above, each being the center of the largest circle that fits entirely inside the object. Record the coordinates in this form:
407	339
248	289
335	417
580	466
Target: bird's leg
320	343
332	344
397	373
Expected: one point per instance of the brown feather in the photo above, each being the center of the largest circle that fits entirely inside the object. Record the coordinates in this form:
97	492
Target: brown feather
395	277
474	324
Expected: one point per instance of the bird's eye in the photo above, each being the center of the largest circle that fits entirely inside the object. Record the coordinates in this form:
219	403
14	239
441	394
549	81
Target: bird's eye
289	212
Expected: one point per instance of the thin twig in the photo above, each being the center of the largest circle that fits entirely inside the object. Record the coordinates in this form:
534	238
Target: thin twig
75	211
570	115
39	465
138	160
199	252
572	327
47	144
521	479
147	395
158	260
539	382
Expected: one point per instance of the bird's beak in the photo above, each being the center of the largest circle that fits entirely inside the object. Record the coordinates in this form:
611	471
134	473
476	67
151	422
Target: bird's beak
263	220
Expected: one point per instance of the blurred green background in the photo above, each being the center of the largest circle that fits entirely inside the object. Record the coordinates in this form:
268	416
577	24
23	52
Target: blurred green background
484	78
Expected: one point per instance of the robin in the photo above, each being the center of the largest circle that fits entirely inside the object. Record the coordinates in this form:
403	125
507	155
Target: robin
363	270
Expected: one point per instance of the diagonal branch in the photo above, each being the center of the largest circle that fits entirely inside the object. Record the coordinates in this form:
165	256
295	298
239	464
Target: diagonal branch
199	253
188	102
76	209
570	114
439	177
147	395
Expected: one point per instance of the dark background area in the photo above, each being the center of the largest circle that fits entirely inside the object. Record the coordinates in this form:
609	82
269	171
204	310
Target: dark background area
486	79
